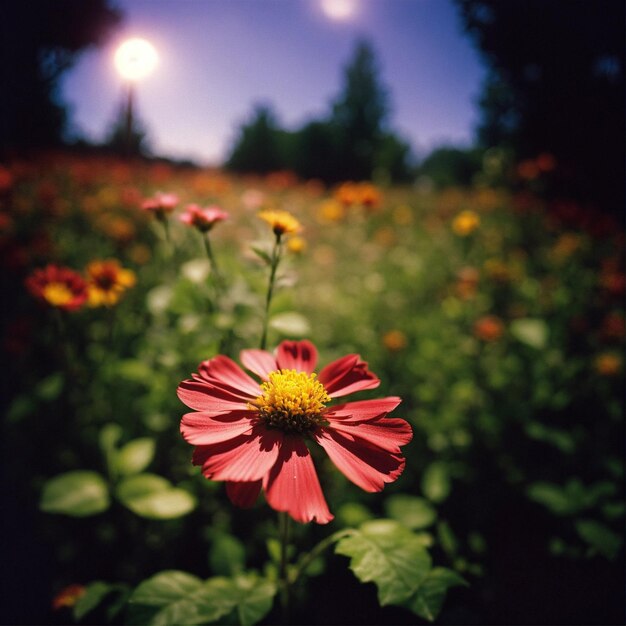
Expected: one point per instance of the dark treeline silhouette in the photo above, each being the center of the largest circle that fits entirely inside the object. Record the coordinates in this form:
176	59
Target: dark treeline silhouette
353	142
39	41
556	85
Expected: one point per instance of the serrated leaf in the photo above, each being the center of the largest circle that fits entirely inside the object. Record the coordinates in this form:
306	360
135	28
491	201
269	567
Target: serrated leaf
532	332
154	497
599	537
389	555
95	593
135	456
251	596
79	493
428	599
176	597
165	587
436	482
291	324
410	511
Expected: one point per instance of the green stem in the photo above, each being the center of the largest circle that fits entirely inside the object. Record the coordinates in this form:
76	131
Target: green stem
283	577
275	260
217	278
308	558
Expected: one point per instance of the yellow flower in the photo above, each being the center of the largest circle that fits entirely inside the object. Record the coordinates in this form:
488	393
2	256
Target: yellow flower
296	245
107	281
282	222
465	223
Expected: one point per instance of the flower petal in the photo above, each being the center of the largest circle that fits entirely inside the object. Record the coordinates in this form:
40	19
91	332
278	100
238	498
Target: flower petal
200	428
292	484
242	459
243	494
347	375
202	396
258	362
297	355
387	433
362	410
366	465
222	371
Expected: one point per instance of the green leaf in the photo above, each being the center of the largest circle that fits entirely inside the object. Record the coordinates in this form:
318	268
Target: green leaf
80	493
532	332
95	593
251	596
411	511
165	587
176	597
262	254
154	497
436	482
389	555
227	554
135	456
50	387
291	324
552	497
599	537
428	599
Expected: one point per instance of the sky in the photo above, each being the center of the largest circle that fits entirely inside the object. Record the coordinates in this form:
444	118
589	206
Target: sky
219	58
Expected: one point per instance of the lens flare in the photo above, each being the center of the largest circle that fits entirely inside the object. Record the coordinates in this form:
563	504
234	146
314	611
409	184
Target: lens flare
339	9
135	59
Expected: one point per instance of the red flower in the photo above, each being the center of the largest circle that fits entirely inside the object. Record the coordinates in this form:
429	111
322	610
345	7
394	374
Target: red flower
253	434
202	219
58	287
161	204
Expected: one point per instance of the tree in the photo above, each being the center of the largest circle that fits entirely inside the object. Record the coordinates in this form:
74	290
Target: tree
359	115
258	147
556	84
39	42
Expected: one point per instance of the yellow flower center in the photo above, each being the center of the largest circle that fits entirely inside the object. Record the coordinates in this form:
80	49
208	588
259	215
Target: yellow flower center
57	294
292	401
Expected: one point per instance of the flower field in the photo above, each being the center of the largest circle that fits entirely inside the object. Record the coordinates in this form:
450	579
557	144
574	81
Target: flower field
493	493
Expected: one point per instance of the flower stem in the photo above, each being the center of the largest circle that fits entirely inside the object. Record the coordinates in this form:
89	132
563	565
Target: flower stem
283	577
217	278
275	260
308	558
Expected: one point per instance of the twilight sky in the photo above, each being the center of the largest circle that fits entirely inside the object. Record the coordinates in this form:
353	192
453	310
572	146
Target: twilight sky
217	58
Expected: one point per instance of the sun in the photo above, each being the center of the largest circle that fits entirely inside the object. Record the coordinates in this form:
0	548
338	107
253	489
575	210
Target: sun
135	59
339	9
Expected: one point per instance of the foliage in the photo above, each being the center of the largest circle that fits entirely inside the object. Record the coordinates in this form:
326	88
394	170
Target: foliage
559	91
43	42
505	342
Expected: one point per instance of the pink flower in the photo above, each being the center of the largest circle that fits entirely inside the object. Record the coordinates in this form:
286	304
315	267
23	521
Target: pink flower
202	219
254	435
161	204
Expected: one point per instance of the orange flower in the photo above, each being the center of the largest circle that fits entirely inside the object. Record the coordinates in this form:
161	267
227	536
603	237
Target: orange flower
68	597
107	281
394	340
297	245
489	328
465	223
608	364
